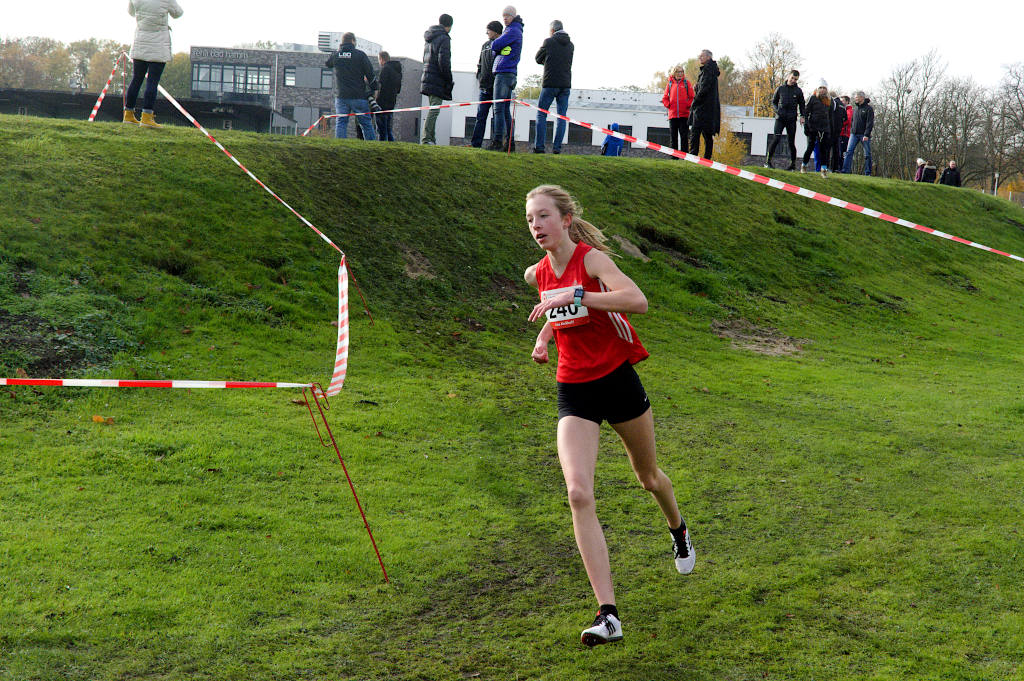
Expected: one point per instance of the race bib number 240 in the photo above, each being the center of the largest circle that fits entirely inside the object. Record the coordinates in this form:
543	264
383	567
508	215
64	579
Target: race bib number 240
568	315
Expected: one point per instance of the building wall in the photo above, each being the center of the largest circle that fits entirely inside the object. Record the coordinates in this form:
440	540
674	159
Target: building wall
306	100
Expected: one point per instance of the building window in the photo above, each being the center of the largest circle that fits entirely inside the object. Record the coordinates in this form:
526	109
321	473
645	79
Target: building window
662	136
470	127
227	124
237	79
289	76
549	131
326	79
783	149
580	135
288	112
625	130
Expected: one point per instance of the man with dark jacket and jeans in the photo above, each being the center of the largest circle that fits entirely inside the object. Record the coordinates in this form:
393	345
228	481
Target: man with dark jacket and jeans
705	110
389	84
860	132
788	102
485	77
506	47
556	56
437	81
352	74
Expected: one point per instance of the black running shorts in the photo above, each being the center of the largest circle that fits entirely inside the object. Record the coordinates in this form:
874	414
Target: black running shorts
617	397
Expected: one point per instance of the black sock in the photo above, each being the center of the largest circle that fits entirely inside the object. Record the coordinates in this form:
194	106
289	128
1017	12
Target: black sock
608	610
679	533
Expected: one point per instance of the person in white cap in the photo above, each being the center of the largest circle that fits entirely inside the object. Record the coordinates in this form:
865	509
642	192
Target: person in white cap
818	128
151	50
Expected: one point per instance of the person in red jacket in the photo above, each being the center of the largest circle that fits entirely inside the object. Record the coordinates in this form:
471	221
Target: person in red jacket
844	134
585	298
677	99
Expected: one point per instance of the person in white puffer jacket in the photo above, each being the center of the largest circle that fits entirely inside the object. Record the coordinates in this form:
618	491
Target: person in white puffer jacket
151	50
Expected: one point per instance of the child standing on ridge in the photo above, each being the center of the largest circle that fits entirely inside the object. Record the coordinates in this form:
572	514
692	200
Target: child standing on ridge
584	299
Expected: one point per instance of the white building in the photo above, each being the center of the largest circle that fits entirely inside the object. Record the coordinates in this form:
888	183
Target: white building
639	114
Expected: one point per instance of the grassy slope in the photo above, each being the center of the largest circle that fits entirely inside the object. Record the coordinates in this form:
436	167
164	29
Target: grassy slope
856	508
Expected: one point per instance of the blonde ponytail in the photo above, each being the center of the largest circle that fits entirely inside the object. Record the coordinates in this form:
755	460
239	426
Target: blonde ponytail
579	229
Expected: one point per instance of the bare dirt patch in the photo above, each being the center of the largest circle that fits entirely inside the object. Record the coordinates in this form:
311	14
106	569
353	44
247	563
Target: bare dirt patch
630	248
416	264
33	345
759	339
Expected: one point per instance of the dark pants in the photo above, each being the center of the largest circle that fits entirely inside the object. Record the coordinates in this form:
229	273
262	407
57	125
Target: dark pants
839	153
679	132
824	142
383	122
790	127
481	118
709	143
151	72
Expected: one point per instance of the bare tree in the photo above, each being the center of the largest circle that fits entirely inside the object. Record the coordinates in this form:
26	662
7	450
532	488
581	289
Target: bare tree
770	60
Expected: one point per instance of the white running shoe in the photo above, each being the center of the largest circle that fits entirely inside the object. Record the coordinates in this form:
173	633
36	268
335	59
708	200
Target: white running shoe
607	629
685	556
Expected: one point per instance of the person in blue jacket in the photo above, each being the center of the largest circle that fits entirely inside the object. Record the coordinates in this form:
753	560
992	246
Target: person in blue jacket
507	48
612	145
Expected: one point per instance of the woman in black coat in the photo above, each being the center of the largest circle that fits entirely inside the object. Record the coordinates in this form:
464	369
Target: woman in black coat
818	128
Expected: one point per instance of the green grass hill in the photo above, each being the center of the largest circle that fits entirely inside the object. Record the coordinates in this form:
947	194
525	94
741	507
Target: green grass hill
837	400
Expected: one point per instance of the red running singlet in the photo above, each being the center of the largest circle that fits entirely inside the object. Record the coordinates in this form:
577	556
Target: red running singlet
591	343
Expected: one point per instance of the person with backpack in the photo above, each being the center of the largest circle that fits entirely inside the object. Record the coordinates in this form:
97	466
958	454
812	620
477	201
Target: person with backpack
677	100
437	81
485	80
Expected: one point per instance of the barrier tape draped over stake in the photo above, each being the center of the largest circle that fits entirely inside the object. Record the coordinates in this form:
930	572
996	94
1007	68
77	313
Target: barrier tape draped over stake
99	100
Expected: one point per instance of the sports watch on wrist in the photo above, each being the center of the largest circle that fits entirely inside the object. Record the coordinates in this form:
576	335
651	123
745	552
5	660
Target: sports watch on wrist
577	296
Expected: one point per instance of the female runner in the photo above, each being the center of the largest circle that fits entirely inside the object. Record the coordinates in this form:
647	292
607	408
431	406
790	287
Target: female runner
584	298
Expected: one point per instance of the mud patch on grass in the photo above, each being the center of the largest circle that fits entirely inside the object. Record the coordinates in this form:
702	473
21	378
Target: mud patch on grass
759	339
503	287
32	344
416	264
630	249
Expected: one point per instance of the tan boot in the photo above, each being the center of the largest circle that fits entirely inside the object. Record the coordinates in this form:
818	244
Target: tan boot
129	117
148	121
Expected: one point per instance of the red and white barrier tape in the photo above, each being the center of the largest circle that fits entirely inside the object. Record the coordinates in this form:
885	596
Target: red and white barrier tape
99	100
341	355
777	184
113	383
412	108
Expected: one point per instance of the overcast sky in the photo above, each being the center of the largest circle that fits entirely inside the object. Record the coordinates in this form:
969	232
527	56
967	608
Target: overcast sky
853	44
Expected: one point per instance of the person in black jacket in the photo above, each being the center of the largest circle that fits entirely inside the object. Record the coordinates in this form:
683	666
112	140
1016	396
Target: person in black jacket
788	102
860	132
556	56
389	84
706	110
485	77
437	81
950	175
352	75
818	128
838	114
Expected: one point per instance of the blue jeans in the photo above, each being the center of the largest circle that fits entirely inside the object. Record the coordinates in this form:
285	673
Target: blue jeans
384	130
547	94
504	84
481	118
345	106
854	141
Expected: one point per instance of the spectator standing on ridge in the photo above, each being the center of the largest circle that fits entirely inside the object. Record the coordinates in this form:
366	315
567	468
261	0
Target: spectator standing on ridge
926	172
437	81
352	75
676	100
950	175
860	132
612	145
151	50
507	47
844	133
706	110
818	128
485	79
389	82
838	114
788	102
556	56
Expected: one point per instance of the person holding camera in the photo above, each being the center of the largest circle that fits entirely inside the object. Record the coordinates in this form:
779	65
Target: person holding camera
352	75
389	84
